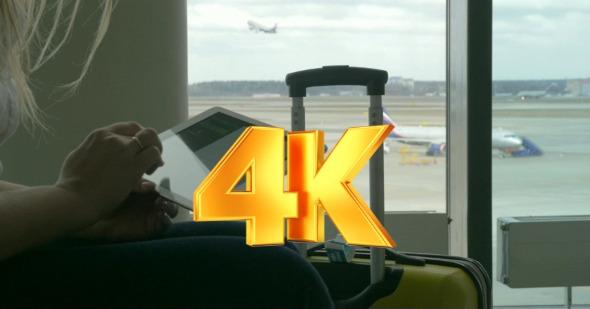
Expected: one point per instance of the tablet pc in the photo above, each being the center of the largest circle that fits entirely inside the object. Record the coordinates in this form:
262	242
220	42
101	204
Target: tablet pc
193	148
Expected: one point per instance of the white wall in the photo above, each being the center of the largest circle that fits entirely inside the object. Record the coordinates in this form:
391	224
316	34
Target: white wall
139	73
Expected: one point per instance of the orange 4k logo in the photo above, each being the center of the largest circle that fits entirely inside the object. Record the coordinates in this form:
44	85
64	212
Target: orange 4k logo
315	185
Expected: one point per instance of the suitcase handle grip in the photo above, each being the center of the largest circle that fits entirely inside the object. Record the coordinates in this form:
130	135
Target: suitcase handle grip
339	75
390	254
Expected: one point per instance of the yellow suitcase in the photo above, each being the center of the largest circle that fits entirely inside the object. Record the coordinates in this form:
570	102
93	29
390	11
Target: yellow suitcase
412	281
380	278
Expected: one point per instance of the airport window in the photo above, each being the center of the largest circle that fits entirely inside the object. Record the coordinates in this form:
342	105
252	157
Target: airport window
541	94
240	52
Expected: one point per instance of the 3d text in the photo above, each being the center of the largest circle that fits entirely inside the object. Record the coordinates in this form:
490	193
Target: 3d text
315	185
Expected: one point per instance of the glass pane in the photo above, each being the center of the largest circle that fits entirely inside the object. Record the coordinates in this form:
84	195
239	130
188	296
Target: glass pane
240	52
542	94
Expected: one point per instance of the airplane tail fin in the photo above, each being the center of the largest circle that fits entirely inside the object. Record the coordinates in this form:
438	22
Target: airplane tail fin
387	118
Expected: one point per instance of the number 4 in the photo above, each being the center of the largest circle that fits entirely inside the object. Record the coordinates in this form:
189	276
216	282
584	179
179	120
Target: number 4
258	154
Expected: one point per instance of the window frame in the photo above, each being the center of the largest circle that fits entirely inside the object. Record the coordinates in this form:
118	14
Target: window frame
469	119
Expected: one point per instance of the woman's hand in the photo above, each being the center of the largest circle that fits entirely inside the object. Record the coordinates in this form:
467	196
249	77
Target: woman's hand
99	192
142	214
102	172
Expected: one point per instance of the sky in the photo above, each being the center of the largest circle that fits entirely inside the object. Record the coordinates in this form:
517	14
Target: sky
532	39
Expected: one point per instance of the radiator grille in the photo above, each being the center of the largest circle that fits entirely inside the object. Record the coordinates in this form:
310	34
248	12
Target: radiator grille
552	218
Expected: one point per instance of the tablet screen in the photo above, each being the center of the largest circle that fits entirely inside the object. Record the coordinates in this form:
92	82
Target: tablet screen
192	149
210	138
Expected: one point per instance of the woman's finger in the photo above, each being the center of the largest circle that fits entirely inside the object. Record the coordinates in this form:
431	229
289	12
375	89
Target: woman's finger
129	128
144	186
147	137
149	159
171	208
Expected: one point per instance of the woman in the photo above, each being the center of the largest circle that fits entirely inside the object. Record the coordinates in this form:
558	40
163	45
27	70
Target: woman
101	236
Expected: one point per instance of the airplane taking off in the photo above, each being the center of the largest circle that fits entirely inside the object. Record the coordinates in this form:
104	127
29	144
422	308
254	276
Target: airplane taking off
435	137
258	27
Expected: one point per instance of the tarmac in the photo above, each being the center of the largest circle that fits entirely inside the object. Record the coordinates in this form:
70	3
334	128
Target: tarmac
556	183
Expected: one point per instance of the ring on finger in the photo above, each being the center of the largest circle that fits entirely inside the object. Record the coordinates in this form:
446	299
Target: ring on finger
138	142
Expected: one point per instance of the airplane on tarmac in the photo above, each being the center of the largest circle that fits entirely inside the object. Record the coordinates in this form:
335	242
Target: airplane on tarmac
258	27
435	137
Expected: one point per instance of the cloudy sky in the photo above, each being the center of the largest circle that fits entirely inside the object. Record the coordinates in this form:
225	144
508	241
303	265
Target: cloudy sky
533	39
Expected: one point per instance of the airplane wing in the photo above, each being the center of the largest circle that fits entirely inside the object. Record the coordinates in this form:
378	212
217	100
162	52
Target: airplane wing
416	141
411	141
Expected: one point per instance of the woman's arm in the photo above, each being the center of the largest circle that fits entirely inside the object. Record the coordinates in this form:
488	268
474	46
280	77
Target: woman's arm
30	217
8	186
95	179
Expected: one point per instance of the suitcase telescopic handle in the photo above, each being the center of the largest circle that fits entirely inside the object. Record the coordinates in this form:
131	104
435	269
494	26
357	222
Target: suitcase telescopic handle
340	75
374	80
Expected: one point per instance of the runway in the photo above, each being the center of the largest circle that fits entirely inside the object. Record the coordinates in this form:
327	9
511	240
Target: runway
557	183
417	184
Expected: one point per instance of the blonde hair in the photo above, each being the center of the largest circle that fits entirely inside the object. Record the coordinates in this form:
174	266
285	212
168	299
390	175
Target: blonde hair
25	45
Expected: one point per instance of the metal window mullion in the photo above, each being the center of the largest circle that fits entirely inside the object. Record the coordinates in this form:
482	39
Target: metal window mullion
469	115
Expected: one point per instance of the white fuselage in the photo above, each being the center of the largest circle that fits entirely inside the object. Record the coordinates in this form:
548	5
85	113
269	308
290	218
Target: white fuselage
505	139
425	135
258	27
